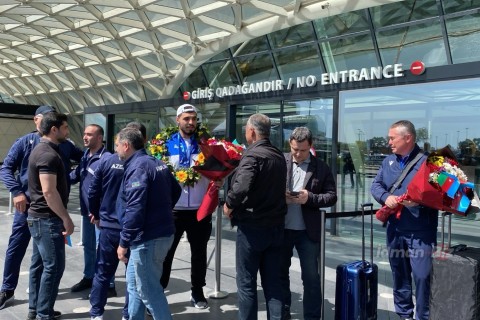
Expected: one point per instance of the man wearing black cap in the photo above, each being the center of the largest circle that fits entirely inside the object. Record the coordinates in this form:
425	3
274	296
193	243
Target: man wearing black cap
17	161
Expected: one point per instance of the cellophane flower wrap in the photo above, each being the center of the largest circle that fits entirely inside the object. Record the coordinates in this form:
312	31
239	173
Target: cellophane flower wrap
439	184
442	185
221	158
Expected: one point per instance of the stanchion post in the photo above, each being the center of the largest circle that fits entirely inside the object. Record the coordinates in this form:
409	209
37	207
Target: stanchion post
217	293
81	232
322	261
10	204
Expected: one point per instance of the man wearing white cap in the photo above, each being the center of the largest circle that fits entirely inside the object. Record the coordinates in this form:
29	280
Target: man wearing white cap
182	149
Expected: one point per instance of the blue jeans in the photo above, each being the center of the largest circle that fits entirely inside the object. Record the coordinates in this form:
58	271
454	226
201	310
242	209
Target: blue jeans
89	240
107	263
308	253
17	246
144	268
411	254
259	248
48	264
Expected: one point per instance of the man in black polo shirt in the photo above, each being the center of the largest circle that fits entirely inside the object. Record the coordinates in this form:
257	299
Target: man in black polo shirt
48	219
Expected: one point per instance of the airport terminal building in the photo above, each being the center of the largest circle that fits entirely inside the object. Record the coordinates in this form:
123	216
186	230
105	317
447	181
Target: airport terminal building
345	69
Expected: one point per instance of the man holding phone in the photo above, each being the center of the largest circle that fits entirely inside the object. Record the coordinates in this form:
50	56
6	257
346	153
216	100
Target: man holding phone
310	186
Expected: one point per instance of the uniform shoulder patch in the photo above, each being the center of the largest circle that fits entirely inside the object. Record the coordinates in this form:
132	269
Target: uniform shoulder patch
135	184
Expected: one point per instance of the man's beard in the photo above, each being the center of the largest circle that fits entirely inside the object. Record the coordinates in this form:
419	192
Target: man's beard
190	131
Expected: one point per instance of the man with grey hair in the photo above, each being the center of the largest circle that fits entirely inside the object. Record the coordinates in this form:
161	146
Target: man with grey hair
105	202
256	205
411	238
310	186
150	192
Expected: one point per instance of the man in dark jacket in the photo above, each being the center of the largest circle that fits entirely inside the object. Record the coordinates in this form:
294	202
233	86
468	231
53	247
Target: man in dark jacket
410	239
104	204
256	204
150	191
14	174
102	196
310	186
93	141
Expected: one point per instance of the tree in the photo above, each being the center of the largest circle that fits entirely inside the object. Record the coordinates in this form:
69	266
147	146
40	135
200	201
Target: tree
379	145
477	142
422	134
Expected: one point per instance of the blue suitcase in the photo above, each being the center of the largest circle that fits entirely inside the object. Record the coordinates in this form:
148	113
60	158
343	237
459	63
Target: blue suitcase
357	283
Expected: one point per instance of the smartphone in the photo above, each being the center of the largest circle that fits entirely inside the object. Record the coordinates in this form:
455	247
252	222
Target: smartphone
294	193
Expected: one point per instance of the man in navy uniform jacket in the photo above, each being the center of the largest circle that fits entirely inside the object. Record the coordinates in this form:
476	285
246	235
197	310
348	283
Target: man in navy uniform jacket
102	200
412	238
151	192
93	141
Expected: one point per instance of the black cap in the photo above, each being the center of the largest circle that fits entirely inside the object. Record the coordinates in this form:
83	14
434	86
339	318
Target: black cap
44	109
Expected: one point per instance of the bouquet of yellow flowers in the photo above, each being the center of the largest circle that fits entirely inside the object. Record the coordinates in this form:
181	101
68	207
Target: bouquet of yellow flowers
439	184
158	149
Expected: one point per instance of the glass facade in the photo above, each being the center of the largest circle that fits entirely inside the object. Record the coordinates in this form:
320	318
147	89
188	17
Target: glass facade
444	114
352	121
436	32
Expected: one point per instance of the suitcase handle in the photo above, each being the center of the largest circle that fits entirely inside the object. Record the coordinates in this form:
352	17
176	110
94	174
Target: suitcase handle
363	206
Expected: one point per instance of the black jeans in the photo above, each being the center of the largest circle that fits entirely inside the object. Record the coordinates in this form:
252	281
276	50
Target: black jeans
198	234
259	249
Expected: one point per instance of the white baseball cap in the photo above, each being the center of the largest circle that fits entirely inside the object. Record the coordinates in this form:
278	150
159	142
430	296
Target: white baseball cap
186	108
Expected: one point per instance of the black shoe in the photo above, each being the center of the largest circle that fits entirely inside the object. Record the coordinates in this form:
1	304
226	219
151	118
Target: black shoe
111	293
82	285
32	315
5	296
198	299
286	313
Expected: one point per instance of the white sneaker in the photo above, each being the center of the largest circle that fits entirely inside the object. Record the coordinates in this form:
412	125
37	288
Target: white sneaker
97	318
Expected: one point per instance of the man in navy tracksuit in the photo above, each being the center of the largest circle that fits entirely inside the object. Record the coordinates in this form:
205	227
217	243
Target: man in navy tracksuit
16	161
102	196
106	204
150	191
412	238
93	141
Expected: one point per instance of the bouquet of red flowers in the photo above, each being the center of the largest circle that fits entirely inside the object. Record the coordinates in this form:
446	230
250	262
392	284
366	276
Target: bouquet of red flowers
221	157
439	184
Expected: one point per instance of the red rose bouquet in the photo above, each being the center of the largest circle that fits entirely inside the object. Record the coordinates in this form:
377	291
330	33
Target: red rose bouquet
221	157
439	184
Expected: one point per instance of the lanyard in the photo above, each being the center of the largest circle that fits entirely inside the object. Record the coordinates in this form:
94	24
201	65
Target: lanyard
185	151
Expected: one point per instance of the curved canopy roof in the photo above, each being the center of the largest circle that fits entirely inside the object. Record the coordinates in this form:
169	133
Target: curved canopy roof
78	53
